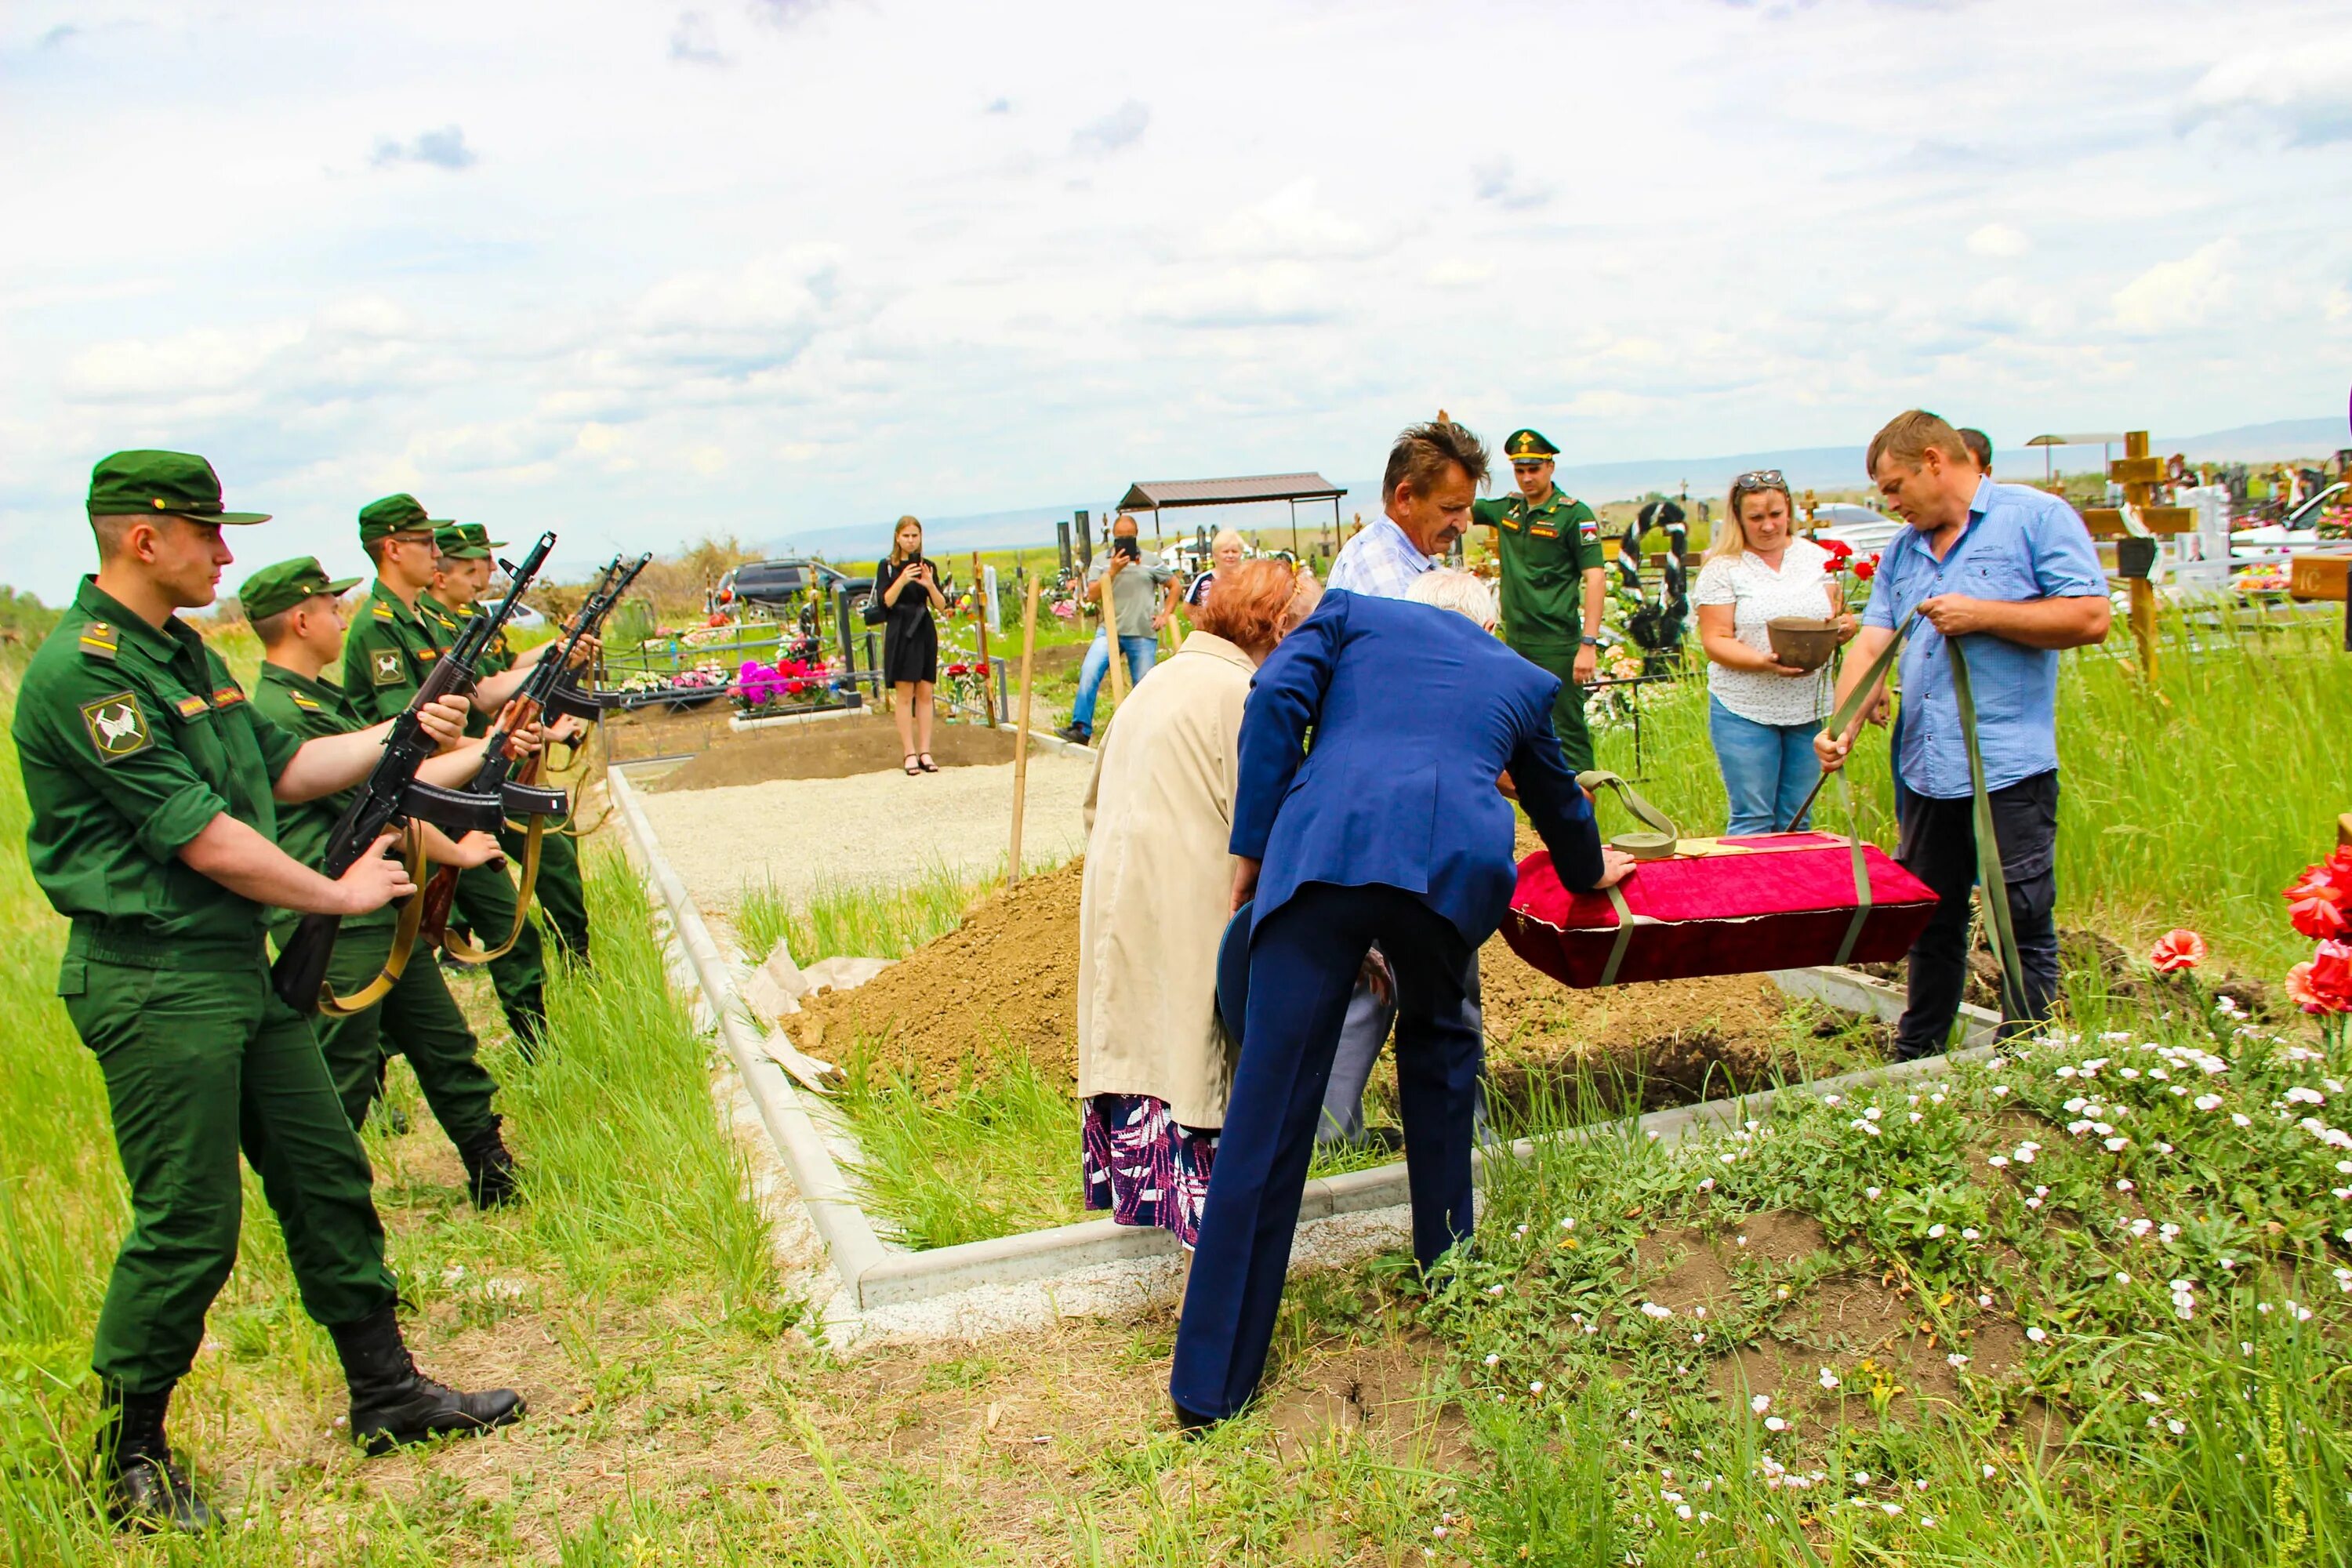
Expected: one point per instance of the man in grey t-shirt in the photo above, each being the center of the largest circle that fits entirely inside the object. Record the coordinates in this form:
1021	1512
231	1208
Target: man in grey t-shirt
1143	596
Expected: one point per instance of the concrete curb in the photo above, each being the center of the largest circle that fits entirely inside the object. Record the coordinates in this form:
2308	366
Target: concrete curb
878	1276
791	720
1050	742
848	1235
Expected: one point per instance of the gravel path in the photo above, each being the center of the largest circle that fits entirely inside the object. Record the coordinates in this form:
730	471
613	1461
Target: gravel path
869	828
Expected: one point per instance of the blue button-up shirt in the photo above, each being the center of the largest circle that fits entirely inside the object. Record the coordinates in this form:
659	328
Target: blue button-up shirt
1380	560
2020	543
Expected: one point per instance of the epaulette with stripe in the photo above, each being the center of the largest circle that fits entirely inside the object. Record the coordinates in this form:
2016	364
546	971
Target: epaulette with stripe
382	610
98	641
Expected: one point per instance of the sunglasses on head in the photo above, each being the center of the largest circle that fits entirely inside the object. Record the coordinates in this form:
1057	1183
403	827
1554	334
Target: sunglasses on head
1759	479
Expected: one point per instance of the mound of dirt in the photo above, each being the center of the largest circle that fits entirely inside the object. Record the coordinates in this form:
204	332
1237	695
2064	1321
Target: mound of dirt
1008	977
827	749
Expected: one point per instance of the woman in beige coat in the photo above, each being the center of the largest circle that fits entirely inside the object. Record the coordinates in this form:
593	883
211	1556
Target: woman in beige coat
1154	1064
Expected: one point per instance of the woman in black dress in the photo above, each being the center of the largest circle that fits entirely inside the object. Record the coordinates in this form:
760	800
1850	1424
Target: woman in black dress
908	585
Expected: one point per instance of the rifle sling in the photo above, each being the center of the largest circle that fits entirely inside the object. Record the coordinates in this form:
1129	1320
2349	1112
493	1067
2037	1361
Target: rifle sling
404	939
465	951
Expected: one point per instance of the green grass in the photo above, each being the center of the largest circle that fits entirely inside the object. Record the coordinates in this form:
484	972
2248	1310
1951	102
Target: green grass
2190	806
860	920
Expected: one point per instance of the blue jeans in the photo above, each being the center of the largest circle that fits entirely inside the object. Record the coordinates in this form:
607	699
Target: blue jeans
1141	652
1767	769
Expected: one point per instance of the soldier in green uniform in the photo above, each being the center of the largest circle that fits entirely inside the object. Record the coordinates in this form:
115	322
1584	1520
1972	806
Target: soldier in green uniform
462	576
297	612
390	650
1554	585
152	788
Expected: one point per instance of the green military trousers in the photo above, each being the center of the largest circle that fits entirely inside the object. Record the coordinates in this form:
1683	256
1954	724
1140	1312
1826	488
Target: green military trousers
1568	708
485	905
418	1019
199	1063
561	898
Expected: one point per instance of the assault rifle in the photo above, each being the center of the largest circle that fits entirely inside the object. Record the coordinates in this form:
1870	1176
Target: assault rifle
566	698
533	699
393	795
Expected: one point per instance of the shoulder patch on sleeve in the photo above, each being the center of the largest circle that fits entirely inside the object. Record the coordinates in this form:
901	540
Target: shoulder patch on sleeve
117	726
383	667
98	640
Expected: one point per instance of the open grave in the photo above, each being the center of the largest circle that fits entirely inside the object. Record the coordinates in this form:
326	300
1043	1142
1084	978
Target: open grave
983	1018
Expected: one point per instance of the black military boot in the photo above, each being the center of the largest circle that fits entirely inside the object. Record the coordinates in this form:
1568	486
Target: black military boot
489	1169
144	1490
393	1402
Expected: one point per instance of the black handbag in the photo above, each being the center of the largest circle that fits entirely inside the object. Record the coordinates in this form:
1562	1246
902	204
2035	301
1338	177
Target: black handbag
874	611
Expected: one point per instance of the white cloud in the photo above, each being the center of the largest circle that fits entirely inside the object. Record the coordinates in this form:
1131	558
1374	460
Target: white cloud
1460	272
1291	224
2172	295
1998	239
441	149
2303	91
695	41
1122	127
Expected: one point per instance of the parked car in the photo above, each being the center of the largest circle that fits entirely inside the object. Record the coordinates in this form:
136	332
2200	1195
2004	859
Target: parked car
1867	531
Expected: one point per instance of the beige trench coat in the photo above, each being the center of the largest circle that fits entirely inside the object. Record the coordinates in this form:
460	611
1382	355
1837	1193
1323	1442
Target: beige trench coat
1157	879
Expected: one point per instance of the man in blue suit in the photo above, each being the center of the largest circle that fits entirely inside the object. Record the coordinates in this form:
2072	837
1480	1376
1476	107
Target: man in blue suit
1390	830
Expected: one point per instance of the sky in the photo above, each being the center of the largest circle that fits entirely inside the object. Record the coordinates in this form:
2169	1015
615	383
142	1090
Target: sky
644	272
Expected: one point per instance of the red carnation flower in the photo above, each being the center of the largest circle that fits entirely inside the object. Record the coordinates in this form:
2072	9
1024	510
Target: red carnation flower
2181	949
1866	568
2324	983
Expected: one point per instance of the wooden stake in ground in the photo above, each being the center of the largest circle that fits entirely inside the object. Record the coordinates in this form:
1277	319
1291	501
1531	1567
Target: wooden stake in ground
1111	638
979	603
1020	731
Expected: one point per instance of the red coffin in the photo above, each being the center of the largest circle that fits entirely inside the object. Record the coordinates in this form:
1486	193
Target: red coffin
1721	906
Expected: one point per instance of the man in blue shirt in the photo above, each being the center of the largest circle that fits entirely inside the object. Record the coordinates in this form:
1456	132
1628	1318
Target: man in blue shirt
2011	572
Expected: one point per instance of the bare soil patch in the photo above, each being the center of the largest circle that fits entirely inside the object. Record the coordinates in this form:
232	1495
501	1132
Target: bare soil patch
1008	976
1383	1388
827	749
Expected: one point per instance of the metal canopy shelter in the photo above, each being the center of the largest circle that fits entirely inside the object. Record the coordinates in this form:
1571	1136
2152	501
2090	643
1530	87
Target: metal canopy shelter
2103	439
1156	495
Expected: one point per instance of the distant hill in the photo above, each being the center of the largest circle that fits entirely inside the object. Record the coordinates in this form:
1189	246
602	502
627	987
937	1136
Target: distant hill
1806	468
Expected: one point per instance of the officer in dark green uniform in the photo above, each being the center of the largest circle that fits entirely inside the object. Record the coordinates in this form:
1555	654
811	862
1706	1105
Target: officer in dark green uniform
386	656
153	787
297	612
1554	585
463	577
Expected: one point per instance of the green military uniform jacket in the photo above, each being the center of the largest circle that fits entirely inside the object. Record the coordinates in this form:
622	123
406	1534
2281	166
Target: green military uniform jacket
133	740
388	653
447	625
311	709
1546	551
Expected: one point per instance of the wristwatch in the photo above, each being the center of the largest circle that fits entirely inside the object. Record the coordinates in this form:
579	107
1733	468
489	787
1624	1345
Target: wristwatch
1592	642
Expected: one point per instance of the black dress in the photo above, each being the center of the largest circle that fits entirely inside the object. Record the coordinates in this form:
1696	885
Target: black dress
910	642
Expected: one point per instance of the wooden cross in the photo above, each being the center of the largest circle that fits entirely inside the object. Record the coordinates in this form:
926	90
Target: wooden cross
2140	476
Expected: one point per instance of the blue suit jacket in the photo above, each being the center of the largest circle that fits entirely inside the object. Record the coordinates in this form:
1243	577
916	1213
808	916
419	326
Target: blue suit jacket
1413	712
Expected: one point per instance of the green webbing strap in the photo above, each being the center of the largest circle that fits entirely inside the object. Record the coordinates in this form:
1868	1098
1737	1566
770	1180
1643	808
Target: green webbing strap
1988	872
1624	934
1656	845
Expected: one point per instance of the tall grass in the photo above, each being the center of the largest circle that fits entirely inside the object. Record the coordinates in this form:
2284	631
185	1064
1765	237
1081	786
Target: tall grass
860	919
2190	802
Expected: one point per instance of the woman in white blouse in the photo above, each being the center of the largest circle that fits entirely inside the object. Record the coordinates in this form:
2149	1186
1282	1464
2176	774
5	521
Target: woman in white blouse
1762	714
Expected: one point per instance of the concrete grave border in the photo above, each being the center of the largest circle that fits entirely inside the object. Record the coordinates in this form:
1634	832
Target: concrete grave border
877	1272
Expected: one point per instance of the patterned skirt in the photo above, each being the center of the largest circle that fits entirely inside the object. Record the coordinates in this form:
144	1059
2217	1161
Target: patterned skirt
1144	1165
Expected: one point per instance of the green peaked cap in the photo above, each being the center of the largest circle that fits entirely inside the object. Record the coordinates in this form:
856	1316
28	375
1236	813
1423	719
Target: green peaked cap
465	540
172	484
287	583
402	513
1528	447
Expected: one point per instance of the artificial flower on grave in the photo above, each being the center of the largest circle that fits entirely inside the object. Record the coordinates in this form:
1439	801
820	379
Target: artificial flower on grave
2177	950
1066	609
1840	553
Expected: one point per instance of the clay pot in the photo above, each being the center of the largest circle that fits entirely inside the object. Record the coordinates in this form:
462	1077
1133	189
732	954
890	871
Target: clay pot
1802	641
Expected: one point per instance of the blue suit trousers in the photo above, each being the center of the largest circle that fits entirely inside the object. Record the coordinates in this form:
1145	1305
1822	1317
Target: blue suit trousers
1303	964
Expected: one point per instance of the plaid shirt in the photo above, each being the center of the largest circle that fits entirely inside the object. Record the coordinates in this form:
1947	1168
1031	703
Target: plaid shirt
1380	560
